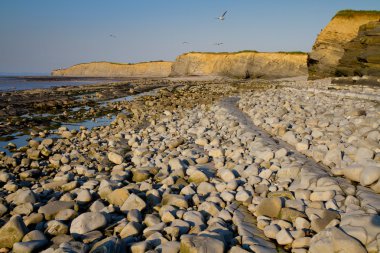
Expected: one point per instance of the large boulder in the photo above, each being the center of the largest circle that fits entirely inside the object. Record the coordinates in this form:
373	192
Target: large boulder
13	231
198	244
334	240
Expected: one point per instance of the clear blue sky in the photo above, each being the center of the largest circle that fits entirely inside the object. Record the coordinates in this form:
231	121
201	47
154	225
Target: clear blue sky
41	35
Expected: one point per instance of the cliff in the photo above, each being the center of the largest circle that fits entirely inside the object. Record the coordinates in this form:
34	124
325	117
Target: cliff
248	64
329	46
362	54
108	69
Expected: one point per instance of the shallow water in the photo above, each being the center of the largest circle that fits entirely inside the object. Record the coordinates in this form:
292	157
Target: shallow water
21	139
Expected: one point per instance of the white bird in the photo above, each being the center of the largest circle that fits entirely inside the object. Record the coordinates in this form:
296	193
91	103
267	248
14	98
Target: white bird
113	36
218	43
185	42
221	18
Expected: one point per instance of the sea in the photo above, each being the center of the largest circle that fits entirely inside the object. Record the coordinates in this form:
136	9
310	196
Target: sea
15	83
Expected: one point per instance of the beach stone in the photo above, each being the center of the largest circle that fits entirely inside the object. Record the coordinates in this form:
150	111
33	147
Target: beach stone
242	196
176	164
33	236
131	229
369	175
194	218
226	175
4	177
353	172
205	188
29	247
134	215
216	153
270	207
66	134
198	244
363	154
284	237
271	231
13	231
52	208
140	175
291	215
83	196
175	200
140	247
108	245
301	223
302	242
66	214
171	247
55	227
333	240
118	196
3	209
87	222
133	202
326	216
24	196
322	195
198	177
115	158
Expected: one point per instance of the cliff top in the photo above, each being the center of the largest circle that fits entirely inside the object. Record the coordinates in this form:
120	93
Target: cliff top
119	63
352	13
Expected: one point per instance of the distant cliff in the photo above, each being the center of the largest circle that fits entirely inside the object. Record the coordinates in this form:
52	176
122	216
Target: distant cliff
239	65
108	69
246	64
329	46
362	54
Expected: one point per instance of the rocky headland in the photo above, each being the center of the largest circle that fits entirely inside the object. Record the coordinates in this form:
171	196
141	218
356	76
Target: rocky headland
331	43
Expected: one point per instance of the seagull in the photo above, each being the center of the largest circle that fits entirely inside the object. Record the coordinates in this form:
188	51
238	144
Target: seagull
221	18
113	36
185	42
218	43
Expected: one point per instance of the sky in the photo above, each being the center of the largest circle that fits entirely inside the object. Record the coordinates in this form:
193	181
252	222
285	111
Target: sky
41	35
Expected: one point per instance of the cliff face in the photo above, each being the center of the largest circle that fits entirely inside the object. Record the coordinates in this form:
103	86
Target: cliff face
107	69
241	65
238	65
362	54
329	46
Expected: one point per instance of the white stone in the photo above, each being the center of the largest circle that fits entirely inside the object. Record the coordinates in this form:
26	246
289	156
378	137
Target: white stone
87	222
283	237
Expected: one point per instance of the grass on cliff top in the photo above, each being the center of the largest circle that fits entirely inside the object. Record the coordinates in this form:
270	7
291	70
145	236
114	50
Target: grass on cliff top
351	13
245	51
117	63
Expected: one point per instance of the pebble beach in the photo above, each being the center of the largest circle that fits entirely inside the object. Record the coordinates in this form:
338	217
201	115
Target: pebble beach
204	166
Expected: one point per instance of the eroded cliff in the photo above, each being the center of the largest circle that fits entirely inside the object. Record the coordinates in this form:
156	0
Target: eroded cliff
108	69
241	64
329	46
362	54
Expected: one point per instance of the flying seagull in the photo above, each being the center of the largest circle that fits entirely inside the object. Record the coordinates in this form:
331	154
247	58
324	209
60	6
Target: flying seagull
113	36
221	18
218	43
185	42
